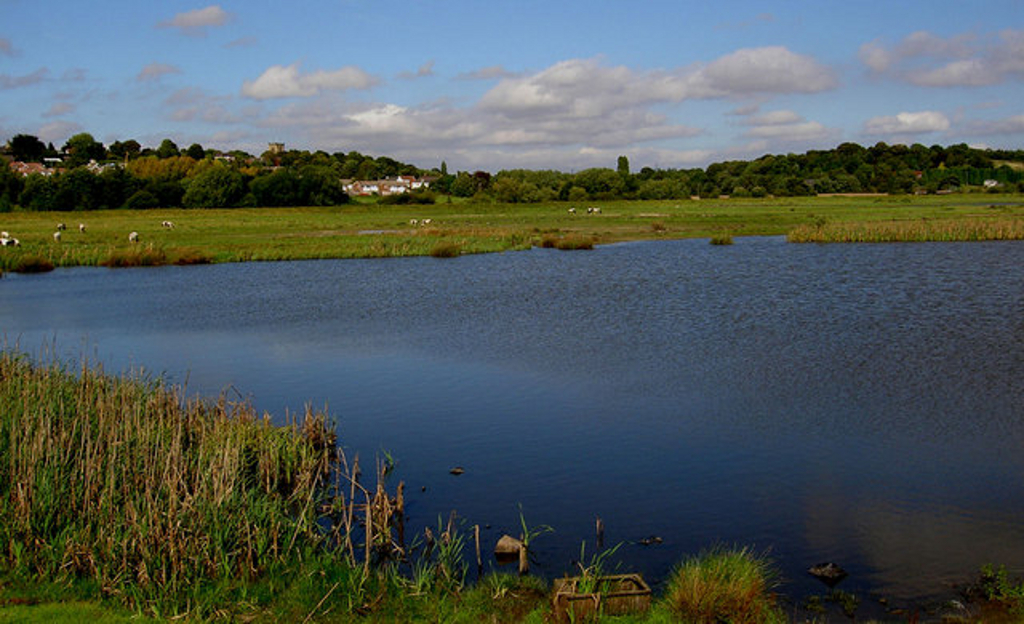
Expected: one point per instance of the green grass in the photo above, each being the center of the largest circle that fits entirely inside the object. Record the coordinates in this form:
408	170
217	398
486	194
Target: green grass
370	230
724	585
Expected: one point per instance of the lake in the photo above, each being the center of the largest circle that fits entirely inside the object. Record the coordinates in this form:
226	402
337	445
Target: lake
860	404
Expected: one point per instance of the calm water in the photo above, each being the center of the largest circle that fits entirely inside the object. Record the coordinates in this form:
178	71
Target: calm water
855	403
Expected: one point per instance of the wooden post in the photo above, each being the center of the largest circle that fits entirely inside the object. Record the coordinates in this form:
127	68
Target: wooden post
524	560
479	561
600	534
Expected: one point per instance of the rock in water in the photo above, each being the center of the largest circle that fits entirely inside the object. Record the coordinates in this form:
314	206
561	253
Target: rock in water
828	573
507	549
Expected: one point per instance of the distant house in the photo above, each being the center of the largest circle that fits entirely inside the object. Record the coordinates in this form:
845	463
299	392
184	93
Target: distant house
26	169
397	186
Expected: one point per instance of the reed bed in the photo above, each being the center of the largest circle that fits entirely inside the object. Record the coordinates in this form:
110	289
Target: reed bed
919	230
122	481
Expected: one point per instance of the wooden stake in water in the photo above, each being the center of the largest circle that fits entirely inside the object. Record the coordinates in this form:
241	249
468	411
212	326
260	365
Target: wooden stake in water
600	533
479	561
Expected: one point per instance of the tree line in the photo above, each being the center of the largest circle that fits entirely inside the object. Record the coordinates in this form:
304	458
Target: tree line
127	175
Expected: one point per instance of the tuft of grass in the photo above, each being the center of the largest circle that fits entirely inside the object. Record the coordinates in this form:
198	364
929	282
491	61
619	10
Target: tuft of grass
722	239
446	249
573	242
32	263
724	586
146	256
185	257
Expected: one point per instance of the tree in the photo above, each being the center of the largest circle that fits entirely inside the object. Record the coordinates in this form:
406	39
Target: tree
125	150
623	166
196	151
82	148
217	187
167	149
27	148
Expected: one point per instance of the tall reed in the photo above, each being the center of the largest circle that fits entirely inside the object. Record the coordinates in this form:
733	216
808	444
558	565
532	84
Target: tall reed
123	480
921	230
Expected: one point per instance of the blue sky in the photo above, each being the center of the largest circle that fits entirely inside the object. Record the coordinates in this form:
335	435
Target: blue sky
542	85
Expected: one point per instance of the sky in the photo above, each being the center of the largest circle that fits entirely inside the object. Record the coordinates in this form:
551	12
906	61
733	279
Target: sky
554	84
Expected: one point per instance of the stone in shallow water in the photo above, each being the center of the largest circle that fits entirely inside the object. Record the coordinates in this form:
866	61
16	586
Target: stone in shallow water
828	573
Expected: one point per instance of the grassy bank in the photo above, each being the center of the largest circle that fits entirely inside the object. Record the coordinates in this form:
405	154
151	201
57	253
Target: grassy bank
369	230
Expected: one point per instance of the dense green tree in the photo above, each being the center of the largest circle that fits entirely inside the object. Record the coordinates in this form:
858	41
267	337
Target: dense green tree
167	149
124	150
81	148
195	151
11	185
319	185
38	193
217	187
278	188
27	148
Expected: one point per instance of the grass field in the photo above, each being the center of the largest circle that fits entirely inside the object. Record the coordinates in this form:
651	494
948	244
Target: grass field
369	230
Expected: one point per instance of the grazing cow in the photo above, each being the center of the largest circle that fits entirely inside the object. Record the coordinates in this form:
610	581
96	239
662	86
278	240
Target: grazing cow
572	211
81	228
56	236
413	222
6	241
427	221
4	235
61	226
167	224
133	237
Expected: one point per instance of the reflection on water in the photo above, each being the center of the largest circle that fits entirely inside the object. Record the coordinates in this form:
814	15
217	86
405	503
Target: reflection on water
856	403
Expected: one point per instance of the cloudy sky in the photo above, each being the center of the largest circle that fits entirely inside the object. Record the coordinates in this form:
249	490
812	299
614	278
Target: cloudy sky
559	84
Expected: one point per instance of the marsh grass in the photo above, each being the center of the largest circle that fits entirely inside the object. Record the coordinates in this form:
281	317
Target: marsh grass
136	257
446	249
721	239
724	585
32	263
153	497
919	230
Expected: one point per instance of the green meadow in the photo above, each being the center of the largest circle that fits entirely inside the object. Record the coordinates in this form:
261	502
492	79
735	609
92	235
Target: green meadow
371	230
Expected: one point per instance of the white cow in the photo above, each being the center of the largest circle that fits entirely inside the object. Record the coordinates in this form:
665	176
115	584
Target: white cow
56	236
61	226
133	237
81	227
167	224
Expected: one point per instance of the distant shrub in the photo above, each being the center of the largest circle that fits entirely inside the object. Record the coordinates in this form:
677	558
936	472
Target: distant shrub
402	199
142	199
722	239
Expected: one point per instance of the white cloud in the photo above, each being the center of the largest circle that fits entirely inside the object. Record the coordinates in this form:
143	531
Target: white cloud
154	71
765	70
195	23
279	81
1009	125
921	122
786	126
927	60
